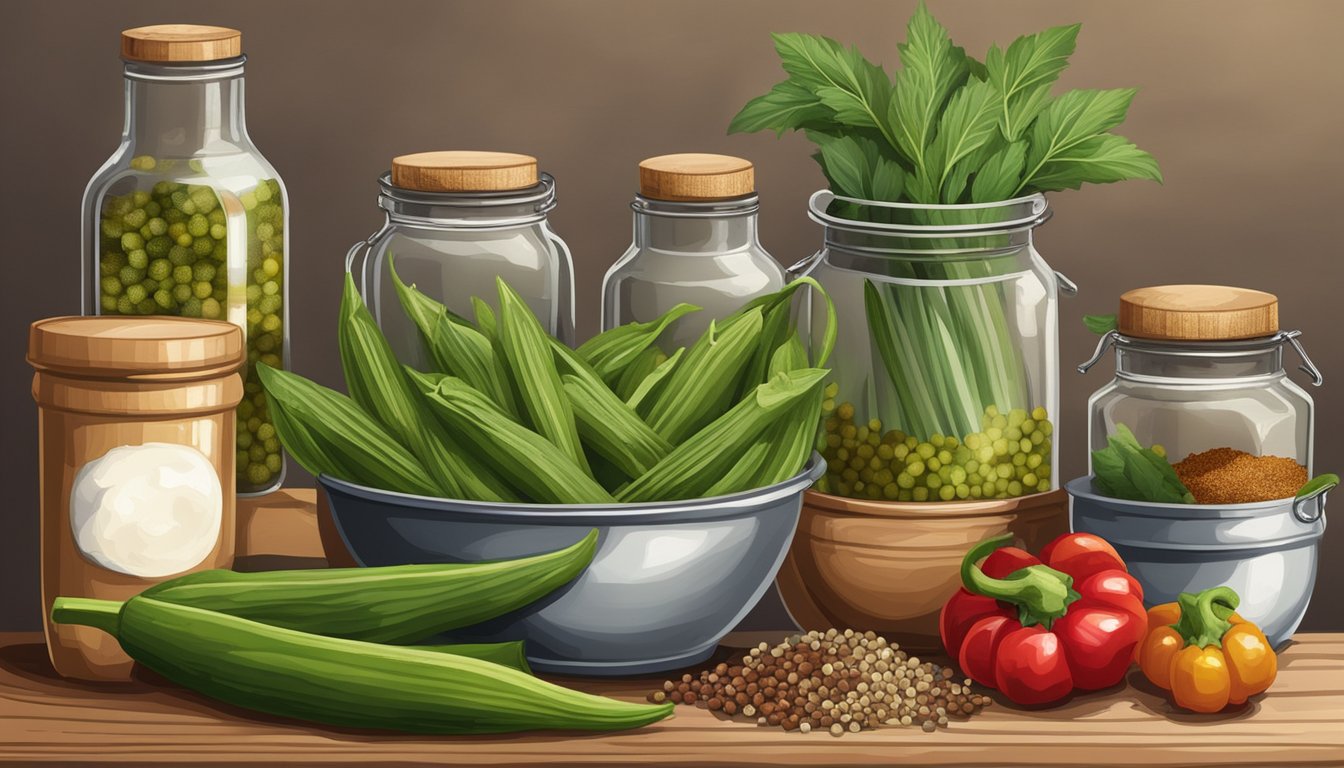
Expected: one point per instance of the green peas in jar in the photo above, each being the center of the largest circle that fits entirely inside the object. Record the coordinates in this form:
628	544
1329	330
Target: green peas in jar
165	250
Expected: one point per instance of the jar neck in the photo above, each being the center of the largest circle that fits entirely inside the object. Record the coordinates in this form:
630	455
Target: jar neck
184	111
1143	359
466	210
696	229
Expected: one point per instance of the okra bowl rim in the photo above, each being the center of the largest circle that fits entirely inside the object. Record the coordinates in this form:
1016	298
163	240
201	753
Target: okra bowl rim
1084	489
735	504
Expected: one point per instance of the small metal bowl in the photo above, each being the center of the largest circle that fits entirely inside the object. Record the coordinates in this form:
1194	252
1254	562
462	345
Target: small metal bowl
1266	551
669	579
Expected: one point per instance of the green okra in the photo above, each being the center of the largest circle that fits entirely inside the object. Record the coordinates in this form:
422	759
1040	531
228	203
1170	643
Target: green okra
648	389
347	683
527	352
388	604
612	428
327	433
702	459
706	382
638	369
456	347
376	382
612	350
509	654
526	459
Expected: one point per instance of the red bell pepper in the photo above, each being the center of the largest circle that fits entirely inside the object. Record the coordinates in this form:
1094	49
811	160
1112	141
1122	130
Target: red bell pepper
1021	626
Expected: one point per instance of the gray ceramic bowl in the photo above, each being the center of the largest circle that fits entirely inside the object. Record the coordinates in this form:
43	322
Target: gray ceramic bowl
1266	551
669	580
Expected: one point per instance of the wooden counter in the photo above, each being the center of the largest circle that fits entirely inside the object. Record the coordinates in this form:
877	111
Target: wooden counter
44	719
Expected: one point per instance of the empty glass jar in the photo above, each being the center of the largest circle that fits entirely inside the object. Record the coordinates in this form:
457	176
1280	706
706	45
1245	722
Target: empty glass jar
187	218
695	242
1200	367
946	371
454	221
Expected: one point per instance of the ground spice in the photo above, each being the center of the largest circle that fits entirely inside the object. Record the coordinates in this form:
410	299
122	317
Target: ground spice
830	681
1229	476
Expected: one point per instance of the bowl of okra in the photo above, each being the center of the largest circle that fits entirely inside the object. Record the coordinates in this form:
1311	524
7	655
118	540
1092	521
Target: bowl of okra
668	581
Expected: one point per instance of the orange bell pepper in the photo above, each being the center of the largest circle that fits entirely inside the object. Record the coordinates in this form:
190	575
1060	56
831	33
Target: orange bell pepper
1204	653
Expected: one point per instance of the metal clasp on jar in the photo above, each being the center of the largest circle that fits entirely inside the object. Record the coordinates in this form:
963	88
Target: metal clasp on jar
1112	338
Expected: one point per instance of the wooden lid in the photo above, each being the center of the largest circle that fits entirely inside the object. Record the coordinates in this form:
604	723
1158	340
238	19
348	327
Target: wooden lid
135	347
690	177
1198	313
464	171
171	43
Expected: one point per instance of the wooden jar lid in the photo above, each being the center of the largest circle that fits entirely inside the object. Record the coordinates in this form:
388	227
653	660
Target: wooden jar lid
464	171
172	43
157	347
1198	313
696	177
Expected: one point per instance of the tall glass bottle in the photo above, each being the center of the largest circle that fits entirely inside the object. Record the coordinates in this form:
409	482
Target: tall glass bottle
187	218
695	241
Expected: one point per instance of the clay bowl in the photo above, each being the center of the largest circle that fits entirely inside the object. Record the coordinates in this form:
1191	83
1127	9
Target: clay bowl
890	566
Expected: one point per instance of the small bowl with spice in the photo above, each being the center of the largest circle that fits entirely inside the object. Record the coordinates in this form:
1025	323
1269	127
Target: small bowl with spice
1200	375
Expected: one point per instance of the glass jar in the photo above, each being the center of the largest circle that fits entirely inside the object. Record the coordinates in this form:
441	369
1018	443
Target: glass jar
454	221
946	370
695	242
1200	388
136	449
187	218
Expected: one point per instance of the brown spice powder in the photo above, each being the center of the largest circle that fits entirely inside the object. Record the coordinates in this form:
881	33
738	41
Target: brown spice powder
1229	476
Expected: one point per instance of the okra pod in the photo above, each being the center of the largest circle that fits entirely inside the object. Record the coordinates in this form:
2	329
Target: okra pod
347	683
707	381
704	458
612	428
527	352
327	433
387	604
455	347
791	439
376	382
648	389
612	350
634	373
528	460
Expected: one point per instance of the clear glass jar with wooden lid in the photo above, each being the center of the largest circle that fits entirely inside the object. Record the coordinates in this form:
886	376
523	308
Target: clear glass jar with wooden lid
187	217
453	222
696	241
1199	367
136	444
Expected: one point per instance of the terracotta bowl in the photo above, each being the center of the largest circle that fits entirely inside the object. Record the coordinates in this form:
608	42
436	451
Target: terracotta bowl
890	566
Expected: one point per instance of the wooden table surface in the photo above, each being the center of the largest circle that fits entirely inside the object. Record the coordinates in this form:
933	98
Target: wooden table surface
1299	722
45	719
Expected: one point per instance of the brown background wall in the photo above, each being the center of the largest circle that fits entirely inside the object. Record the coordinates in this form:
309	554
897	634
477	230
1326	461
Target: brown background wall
1241	101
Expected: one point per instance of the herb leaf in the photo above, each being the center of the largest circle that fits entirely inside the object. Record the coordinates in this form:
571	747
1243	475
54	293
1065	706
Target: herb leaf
1022	76
932	67
1124	469
1099	160
1100	324
968	121
788	106
1070	120
998	176
855	89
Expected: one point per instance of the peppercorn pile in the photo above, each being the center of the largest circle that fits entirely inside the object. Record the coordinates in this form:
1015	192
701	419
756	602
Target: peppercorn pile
834	681
1229	476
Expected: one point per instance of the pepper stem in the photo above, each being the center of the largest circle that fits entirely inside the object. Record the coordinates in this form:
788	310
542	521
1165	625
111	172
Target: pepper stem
103	614
1205	617
1041	593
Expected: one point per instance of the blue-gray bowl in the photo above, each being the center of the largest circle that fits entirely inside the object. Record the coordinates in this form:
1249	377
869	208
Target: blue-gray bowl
1267	551
668	581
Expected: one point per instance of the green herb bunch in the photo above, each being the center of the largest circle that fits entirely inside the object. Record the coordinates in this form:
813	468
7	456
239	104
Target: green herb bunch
949	128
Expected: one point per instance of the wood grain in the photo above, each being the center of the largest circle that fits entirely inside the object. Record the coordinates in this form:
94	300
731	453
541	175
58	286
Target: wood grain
180	43
46	719
695	176
1198	313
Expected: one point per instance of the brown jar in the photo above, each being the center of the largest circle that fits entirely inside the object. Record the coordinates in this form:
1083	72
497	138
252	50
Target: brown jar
136	430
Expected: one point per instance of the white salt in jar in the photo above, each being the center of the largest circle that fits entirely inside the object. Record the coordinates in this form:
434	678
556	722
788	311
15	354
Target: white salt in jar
136	440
